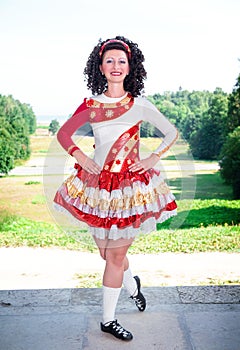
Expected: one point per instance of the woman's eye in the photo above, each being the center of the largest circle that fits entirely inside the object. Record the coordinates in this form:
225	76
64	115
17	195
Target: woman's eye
109	60
122	61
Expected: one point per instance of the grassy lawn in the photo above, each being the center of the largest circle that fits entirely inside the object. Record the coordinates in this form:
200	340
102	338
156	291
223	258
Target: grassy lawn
208	219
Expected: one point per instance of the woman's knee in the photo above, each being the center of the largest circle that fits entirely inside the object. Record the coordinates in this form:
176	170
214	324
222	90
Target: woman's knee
115	257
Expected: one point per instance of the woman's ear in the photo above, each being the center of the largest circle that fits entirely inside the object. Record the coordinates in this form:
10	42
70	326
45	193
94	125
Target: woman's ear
100	68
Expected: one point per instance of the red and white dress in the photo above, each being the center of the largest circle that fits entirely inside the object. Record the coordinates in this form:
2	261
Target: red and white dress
117	203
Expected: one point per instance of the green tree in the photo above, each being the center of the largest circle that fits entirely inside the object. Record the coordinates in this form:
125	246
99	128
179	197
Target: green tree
7	147
230	161
233	117
207	141
17	122
183	108
29	117
54	126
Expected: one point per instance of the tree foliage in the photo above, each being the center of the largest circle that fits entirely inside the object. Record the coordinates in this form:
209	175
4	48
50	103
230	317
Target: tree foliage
200	116
230	161
233	116
210	122
17	122
230	153
54	126
206	141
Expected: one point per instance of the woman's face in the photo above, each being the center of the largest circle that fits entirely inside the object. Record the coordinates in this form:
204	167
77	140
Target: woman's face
115	66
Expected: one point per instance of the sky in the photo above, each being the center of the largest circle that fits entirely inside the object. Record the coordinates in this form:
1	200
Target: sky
45	44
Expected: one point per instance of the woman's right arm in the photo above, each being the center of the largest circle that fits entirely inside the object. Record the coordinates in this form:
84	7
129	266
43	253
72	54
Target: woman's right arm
64	136
65	133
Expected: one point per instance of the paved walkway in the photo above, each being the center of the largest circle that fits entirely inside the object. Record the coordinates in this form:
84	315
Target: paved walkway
37	268
176	318
40	308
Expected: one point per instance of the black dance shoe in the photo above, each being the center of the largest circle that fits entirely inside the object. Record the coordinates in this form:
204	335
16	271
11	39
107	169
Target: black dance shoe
139	299
114	328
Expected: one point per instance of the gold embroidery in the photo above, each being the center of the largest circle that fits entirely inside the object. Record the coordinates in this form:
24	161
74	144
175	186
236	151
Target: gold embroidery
162	188
93	103
103	204
92	115
124	152
96	104
125	100
124	203
116	204
109	113
159	154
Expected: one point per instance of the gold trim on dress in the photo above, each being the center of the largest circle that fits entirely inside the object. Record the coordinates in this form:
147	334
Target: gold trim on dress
125	202
96	104
159	154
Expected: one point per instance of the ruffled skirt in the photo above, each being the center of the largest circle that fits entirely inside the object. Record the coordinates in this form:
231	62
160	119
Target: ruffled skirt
117	205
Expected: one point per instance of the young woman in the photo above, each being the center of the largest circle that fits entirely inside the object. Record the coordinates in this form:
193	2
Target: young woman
118	194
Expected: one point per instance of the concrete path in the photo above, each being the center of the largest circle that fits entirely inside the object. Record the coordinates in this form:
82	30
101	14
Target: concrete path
38	312
176	318
44	268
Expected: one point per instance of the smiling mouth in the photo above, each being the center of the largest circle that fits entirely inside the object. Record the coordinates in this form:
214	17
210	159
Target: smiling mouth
116	73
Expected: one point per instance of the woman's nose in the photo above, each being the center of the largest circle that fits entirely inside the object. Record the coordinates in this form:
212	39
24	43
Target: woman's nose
116	64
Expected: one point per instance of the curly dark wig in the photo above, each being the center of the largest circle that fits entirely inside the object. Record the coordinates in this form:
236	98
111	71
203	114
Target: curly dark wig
134	81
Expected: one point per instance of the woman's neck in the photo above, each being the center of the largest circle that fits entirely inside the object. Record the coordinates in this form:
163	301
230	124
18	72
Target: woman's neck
115	91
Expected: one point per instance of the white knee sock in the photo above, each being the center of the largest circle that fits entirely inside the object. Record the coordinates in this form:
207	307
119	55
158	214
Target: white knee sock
110	299
130	283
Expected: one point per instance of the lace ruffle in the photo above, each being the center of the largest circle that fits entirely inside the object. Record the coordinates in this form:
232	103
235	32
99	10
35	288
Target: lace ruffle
117	204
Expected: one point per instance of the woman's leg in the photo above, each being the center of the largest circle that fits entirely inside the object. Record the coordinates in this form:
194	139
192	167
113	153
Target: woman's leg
115	256
112	280
116	261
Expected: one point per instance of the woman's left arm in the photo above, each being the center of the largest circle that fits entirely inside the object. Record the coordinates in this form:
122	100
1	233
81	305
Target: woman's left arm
156	118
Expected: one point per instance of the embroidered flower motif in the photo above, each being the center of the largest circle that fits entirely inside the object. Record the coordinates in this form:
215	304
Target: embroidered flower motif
90	102
93	103
114	150
136	137
135	150
118	161
106	167
109	113
126	148
126	106
92	115
126	135
129	161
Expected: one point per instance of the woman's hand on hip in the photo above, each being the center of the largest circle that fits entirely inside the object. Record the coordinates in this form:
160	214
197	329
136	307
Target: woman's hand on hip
87	163
144	164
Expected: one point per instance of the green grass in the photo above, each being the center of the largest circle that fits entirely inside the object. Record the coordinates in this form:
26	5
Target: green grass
203	213
18	231
89	280
203	239
31	182
208	218
211	222
39	199
202	186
